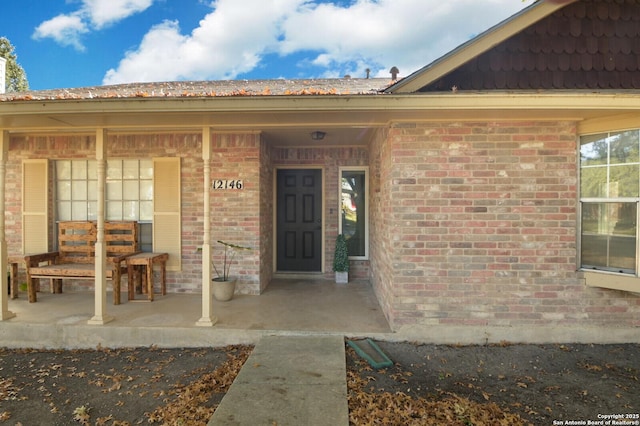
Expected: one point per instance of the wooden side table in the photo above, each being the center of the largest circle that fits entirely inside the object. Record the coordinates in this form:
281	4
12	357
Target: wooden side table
13	262
145	261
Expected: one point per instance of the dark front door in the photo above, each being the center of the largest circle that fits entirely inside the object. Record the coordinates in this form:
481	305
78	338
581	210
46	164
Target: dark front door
299	220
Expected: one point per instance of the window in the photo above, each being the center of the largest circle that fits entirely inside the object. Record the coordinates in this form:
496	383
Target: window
129	190
129	193
354	210
609	196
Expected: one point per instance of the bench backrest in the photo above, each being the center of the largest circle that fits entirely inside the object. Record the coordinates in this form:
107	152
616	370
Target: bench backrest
121	238
77	240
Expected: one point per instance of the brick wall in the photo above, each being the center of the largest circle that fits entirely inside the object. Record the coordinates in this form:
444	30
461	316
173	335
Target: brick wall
235	214
381	227
483	228
266	215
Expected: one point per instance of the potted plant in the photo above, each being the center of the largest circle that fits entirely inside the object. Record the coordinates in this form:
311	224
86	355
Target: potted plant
224	285
341	260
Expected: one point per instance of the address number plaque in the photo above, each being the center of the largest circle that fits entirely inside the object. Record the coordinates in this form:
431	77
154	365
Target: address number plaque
227	184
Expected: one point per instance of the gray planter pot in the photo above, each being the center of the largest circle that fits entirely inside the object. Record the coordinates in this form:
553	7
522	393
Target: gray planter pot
224	290
342	277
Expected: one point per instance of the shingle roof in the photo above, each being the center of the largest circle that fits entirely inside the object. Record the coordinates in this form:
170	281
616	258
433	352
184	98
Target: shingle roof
280	87
589	44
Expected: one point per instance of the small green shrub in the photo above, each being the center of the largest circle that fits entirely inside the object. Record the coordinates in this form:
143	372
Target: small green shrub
341	255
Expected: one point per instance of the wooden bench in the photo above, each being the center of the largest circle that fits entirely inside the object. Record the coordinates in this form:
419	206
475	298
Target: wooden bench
75	258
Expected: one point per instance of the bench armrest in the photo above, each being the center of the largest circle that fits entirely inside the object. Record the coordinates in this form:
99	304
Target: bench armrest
36	259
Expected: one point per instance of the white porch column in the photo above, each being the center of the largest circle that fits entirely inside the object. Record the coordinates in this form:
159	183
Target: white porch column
208	319
5	313
100	295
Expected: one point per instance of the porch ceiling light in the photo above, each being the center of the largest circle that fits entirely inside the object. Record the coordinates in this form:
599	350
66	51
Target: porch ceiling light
318	135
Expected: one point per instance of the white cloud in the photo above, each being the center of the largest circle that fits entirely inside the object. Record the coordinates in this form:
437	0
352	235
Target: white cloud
385	33
228	41
93	15
375	34
105	12
64	29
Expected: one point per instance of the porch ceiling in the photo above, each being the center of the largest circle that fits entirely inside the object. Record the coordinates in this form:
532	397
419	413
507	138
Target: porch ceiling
335	136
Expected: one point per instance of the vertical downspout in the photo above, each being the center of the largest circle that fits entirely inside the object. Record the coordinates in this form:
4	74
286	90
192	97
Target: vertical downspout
5	313
100	296
208	319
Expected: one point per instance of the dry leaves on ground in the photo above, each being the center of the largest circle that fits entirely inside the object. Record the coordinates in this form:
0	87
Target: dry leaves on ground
428	384
494	384
369	407
116	387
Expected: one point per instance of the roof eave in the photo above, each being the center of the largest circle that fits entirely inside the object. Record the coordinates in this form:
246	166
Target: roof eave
357	111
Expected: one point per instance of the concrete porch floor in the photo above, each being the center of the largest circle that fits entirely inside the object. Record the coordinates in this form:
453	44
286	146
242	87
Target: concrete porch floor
287	307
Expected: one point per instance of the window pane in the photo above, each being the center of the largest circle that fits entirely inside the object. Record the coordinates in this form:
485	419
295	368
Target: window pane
593	182
146	210
79	190
64	190
92	172
130	210
92	211
114	210
146	237
130	169
78	169
130	190
609	236
593	150
114	190
623	181
79	210
146	190
146	169
114	169
93	190
63	170
353	211
624	147
64	210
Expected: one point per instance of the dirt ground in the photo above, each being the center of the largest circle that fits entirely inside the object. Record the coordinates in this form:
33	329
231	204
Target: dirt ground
115	386
501	384
428	384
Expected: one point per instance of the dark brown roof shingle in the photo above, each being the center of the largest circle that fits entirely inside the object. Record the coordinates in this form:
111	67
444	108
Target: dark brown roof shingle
589	44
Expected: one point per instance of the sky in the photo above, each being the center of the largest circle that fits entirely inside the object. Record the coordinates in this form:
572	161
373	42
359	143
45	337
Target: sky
80	43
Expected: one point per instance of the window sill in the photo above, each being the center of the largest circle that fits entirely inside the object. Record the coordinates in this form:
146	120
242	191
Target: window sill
612	280
358	258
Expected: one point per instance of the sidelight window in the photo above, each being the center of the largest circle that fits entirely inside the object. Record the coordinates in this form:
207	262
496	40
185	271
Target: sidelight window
354	210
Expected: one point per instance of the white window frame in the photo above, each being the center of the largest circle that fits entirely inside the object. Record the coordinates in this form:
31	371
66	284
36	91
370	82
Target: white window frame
364	169
91	184
606	278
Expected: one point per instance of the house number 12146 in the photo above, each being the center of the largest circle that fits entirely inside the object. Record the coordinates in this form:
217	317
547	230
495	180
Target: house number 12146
228	184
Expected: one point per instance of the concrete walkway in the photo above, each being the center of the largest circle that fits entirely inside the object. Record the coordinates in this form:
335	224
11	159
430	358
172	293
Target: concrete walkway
289	380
